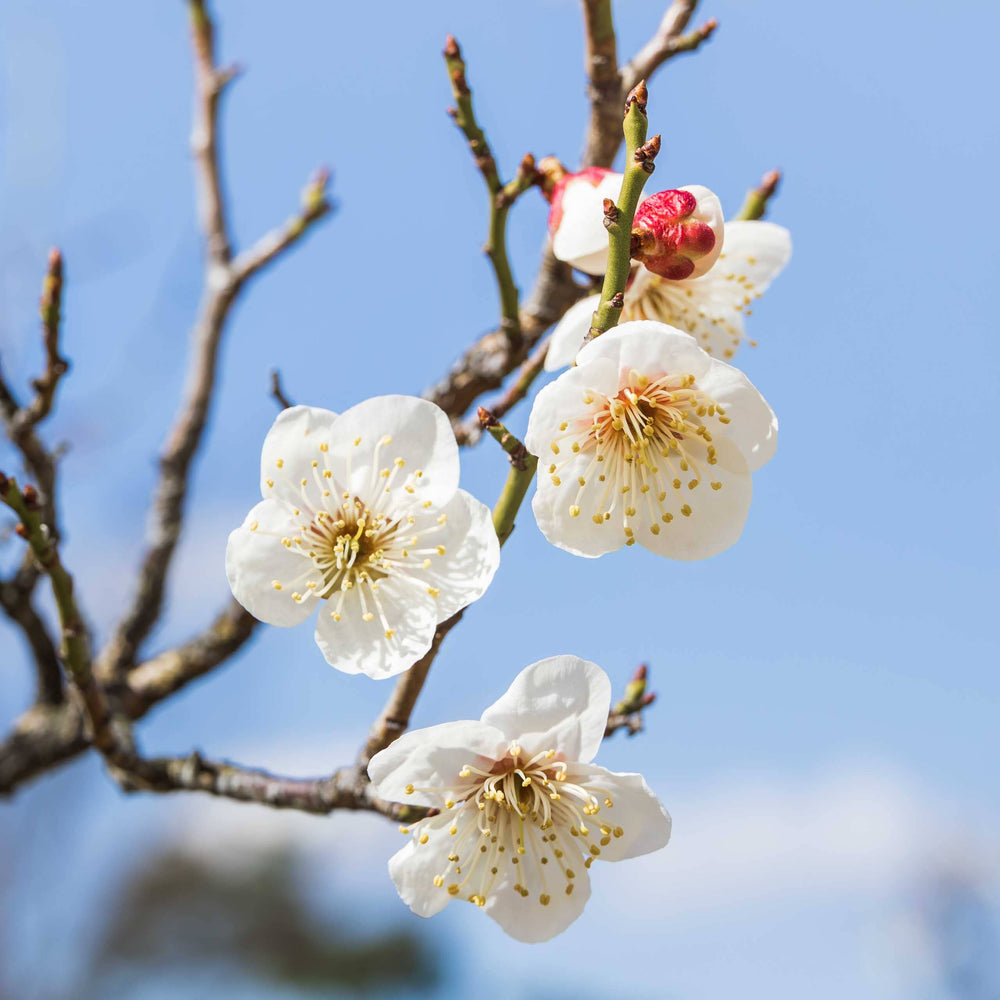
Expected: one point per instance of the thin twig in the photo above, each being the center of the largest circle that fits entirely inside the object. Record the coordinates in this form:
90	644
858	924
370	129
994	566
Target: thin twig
18	606
604	84
278	392
755	205
469	431
223	281
668	41
501	195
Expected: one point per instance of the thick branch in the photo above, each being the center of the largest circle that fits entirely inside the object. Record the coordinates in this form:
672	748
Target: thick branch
604	84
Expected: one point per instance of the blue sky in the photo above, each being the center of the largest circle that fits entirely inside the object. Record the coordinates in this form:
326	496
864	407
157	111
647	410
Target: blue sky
826	735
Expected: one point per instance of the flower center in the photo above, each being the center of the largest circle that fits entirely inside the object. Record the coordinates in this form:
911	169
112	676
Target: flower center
648	446
525	813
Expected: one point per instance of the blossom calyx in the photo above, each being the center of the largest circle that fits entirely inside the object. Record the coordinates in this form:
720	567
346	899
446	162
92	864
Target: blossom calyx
678	234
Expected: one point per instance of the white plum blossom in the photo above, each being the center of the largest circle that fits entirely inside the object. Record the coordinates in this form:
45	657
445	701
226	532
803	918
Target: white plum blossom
362	519
648	439
523	812
711	308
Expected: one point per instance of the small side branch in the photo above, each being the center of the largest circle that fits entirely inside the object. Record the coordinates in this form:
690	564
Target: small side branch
223	281
18	606
669	40
757	199
278	391
502	196
627	713
468	432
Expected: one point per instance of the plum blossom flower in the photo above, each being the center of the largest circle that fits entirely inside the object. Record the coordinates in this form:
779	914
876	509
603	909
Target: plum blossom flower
648	439
711	308
523	812
362	519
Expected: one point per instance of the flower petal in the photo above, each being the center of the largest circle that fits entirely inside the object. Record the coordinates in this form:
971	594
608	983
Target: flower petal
581	238
373	435
717	515
635	810
559	703
752	426
413	868
291	446
649	347
263	573
758	251
577	535
431	758
567	337
526	918
471	553
357	646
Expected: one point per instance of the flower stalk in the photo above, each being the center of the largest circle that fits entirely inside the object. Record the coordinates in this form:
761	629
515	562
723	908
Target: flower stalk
522	471
618	216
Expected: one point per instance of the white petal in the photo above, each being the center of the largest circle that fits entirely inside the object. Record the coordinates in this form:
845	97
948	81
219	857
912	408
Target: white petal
560	703
644	823
717	516
472	553
582	239
373	434
649	347
567	337
356	646
578	535
256	560
525	918
412	869
709	211
756	250
752	426
432	758
562	399
291	445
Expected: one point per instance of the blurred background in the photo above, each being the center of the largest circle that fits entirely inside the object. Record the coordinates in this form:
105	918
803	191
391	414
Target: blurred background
826	732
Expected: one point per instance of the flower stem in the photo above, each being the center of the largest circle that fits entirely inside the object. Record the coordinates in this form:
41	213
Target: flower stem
755	205
522	470
502	196
618	217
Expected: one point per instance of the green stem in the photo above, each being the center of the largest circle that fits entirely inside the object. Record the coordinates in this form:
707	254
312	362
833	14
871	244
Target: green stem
501	195
75	648
522	470
755	205
619	217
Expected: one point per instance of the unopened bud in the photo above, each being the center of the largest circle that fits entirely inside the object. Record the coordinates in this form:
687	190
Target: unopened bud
30	495
550	173
639	96
678	234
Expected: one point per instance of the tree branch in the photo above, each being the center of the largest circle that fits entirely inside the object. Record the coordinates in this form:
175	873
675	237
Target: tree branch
604	84
18	606
668	41
224	279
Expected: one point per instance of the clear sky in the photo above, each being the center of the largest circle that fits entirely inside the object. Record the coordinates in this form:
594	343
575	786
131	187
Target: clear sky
826	731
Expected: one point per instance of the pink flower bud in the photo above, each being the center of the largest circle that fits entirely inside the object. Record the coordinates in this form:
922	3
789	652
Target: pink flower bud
678	234
576	218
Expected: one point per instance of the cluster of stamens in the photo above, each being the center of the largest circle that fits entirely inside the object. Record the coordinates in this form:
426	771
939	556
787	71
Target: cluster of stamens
353	545
675	303
524	811
647	443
